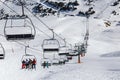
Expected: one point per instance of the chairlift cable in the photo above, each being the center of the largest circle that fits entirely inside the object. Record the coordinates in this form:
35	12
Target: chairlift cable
8	7
18	14
25	45
35	27
36	17
43	23
42	32
22	44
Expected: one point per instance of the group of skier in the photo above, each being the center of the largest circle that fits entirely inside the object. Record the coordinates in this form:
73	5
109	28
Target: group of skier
29	64
45	64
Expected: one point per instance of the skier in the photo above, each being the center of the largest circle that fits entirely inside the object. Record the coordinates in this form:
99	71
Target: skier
64	62
34	64
23	64
44	64
27	63
30	64
47	64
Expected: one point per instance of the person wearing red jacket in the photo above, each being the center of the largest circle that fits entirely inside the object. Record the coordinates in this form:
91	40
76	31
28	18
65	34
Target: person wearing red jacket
34	64
23	64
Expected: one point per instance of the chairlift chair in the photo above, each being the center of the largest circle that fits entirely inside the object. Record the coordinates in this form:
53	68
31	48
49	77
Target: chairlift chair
55	61
63	53
19	28
69	57
51	48
73	53
28	56
62	60
82	54
64	50
66	59
29	59
50	45
2	52
75	48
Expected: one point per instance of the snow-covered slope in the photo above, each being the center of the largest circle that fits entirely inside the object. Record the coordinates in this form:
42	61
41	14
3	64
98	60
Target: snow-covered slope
100	62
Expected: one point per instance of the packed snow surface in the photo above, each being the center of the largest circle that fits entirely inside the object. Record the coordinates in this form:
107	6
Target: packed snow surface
101	62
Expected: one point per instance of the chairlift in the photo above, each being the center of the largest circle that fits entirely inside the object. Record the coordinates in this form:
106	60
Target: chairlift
64	50
76	48
19	28
74	51
51	49
82	51
28	56
50	45
55	61
27	61
69	57
62	60
70	50
82	54
66	59
2	52
84	48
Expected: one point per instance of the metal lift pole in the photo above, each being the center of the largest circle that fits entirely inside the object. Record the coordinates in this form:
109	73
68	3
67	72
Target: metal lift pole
22	5
53	33
26	49
79	52
64	41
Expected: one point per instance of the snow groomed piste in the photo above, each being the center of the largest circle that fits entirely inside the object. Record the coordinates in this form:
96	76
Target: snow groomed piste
19	27
50	51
